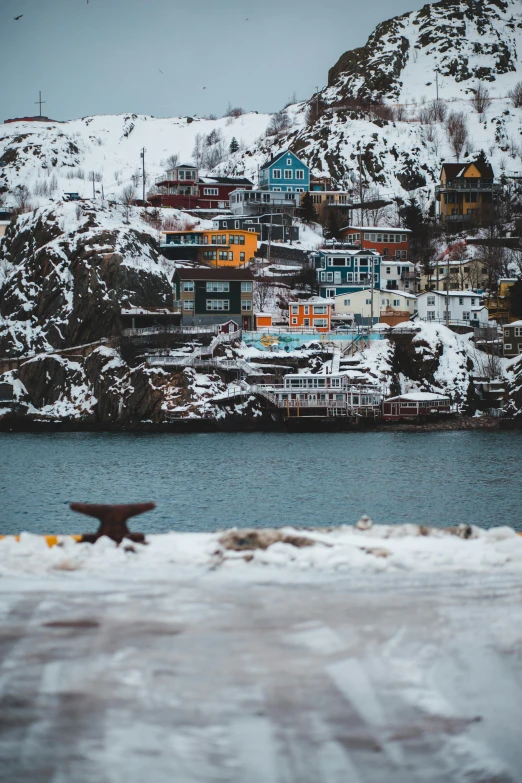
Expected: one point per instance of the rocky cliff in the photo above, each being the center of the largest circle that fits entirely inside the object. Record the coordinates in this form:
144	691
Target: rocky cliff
69	270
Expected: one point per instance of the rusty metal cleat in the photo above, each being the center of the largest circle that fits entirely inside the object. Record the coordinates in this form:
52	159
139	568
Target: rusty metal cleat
113	520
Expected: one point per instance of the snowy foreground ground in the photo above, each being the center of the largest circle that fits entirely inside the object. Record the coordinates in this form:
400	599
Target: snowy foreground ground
391	654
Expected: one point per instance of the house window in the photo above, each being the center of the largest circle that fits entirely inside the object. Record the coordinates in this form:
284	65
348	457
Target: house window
329	277
218	304
299	174
306	310
347	302
217	287
299	190
473	302
396	302
404	238
320	323
320	310
388	270
461	300
289	161
209	255
276	174
276	190
236	224
330	292
188	285
246	287
349	277
431	301
295	309
225	255
368	301
288	173
246	304
507	347
431	315
518	331
465	316
294	321
210	191
188	304
306	322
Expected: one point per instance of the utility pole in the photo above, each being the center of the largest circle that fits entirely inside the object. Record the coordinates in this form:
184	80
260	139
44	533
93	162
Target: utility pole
370	264
142	155
93	188
359	156
437	82
39	101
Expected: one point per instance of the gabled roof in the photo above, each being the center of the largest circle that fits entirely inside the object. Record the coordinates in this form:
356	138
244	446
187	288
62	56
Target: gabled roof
213	273
456	170
278	157
380	229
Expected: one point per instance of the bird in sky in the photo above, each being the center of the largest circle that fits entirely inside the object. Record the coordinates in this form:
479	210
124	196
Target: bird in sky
159	69
16	18
246	20
204	88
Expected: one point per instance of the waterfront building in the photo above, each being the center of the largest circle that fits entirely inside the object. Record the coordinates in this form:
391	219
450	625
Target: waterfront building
415	404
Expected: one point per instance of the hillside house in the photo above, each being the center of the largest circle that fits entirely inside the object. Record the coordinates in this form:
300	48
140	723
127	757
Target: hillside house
284	173
463	307
343	271
339	200
466	194
399	275
5	218
415	404
276	227
461	275
214	296
387	306
314	313
216	248
392	243
513	339
259	202
183	188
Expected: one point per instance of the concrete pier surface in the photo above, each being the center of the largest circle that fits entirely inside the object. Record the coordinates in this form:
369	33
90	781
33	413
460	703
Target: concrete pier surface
204	676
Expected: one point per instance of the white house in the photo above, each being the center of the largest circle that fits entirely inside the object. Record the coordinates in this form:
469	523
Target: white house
462	306
358	304
398	275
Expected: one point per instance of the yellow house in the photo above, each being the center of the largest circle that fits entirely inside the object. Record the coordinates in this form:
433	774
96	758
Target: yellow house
225	247
466	194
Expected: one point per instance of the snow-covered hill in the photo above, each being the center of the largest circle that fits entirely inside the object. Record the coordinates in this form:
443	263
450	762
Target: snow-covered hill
466	41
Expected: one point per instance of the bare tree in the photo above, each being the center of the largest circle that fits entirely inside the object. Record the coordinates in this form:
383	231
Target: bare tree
457	132
172	161
515	95
197	152
278	124
127	195
21	196
234	111
481	100
263	295
400	112
439	110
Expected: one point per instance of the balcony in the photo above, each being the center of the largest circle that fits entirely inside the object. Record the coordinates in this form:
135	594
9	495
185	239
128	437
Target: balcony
480	185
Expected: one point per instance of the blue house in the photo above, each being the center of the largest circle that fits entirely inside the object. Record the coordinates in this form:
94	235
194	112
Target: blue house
346	271
285	172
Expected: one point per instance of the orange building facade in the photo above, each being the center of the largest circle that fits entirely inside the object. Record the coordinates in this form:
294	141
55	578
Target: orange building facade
314	313
388	242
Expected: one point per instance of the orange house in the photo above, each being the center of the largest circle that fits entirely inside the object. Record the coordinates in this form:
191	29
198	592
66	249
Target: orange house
314	313
227	247
388	242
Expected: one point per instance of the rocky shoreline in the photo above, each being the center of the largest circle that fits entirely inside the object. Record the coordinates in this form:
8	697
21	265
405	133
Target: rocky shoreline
264	423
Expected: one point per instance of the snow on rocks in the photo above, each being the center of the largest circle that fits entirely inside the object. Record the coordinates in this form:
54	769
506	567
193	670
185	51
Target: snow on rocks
381	548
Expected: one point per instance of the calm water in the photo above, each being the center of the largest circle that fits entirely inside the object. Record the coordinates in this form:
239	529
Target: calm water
201	482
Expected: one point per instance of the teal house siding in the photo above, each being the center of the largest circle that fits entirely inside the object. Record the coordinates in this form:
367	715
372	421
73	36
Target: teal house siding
286	173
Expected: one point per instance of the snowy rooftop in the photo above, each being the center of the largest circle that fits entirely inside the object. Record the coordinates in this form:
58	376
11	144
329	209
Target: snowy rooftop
419	397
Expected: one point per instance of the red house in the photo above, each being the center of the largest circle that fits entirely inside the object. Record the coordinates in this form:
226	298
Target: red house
415	404
388	242
183	188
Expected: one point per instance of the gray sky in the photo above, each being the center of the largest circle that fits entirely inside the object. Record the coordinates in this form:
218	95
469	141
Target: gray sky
105	56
